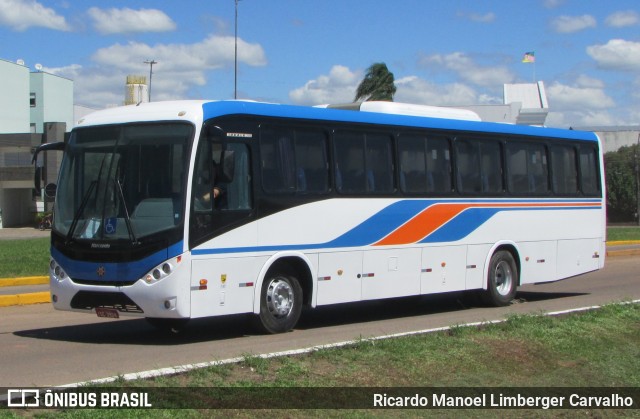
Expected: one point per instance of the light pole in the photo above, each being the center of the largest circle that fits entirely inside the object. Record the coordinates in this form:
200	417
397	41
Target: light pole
636	156
151	63
235	72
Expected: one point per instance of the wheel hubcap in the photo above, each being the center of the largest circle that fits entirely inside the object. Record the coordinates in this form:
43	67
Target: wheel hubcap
504	278
280	298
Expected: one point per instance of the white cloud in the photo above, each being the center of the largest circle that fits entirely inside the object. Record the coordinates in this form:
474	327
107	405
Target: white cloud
617	54
488	17
570	24
581	119
622	19
180	68
341	84
212	53
24	14
578	97
552	4
469	70
337	87
112	21
485	18
586	81
413	89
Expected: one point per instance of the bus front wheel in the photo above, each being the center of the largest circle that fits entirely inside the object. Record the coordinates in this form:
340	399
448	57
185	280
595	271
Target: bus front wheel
502	280
280	304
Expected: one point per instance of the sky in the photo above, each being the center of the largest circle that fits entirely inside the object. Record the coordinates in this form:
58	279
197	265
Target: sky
309	52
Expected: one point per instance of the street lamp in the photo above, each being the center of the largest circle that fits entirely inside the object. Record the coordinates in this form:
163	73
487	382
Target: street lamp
636	156
235	73
151	63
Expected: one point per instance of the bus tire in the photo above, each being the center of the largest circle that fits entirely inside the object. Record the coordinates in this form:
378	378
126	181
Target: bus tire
280	304
502	280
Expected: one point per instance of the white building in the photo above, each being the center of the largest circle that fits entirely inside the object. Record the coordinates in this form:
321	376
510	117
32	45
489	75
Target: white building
35	107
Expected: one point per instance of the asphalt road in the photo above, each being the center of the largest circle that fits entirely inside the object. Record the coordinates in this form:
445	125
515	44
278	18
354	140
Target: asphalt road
44	347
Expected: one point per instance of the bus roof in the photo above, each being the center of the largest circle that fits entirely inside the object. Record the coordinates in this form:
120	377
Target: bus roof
198	111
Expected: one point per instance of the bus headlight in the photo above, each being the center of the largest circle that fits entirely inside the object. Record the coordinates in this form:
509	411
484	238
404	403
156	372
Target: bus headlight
56	271
159	272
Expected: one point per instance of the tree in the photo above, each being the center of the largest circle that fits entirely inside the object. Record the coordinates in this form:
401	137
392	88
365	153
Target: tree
378	84
621	183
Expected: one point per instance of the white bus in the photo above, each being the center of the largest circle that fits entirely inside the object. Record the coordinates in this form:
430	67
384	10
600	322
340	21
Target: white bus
179	210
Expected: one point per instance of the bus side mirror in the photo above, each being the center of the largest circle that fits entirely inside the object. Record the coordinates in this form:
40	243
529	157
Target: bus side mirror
59	146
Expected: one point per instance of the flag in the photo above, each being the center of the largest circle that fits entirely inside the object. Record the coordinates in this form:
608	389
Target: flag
529	57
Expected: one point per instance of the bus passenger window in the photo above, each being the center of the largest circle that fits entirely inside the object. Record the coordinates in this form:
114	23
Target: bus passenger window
379	166
527	168
589	171
564	173
438	165
311	162
293	161
350	163
413	171
277	161
479	167
468	167
425	165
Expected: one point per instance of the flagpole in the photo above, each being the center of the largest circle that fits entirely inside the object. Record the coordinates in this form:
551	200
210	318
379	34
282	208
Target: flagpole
530	58
534	71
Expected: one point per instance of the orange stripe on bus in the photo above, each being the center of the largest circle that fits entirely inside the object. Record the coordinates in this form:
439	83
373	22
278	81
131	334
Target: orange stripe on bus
435	216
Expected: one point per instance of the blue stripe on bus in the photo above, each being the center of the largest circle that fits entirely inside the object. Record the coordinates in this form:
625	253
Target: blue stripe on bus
471	219
222	108
118	271
395	215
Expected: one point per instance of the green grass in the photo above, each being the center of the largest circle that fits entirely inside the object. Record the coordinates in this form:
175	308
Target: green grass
595	348
623	233
28	257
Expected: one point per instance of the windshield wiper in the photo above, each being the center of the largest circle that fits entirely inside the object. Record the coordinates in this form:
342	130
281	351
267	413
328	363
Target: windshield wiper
78	214
127	218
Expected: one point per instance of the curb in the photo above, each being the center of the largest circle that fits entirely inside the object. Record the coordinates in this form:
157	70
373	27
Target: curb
25	299
613	252
623	252
622	242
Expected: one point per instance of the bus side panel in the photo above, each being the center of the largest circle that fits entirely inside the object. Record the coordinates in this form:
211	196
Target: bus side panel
339	277
443	269
391	273
477	255
230	285
577	256
538	261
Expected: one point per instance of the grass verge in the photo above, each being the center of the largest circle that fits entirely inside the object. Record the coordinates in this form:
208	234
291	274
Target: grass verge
623	233
27	257
589	349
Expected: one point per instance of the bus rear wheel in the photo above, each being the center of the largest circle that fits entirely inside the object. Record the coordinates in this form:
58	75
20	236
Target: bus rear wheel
502	280
280	304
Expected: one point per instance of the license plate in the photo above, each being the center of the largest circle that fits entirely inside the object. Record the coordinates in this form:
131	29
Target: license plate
107	312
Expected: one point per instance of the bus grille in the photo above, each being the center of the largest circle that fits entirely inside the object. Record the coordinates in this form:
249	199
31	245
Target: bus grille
104	283
88	300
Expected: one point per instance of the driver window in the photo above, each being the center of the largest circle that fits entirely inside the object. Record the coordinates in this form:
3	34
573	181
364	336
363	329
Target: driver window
220	196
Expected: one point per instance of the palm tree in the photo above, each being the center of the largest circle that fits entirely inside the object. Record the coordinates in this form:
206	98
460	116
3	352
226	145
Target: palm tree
376	85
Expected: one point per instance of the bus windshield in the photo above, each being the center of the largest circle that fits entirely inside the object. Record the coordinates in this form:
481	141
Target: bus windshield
123	182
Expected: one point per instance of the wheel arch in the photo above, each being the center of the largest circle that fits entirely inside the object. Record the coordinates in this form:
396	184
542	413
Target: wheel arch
296	264
511	247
